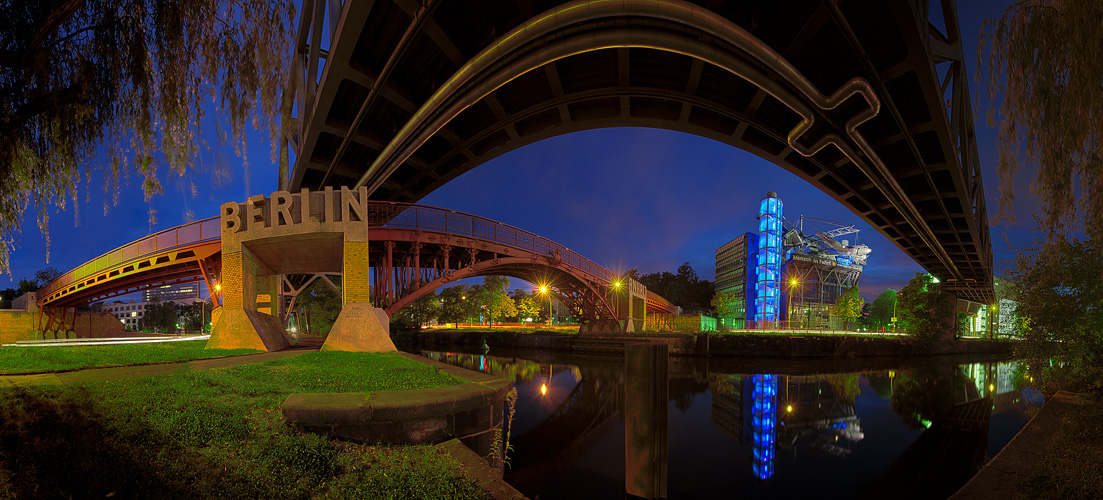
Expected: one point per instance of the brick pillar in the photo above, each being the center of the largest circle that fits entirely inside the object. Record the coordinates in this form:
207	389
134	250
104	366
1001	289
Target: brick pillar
242	324
355	284
359	327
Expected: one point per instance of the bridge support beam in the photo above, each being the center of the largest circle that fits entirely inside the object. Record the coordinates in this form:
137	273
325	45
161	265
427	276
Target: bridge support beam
247	320
359	327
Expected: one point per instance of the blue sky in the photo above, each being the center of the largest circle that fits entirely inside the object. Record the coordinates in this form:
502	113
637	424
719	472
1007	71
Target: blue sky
624	197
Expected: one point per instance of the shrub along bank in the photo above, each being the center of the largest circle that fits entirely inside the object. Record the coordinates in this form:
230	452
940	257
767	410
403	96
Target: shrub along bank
215	433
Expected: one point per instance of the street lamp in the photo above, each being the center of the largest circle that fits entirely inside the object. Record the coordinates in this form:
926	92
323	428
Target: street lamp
789	311
544	292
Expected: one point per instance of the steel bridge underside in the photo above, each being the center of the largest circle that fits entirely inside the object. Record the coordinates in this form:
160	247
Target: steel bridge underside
867	100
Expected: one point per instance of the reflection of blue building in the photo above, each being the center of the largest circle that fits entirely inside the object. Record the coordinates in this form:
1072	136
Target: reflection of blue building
763	424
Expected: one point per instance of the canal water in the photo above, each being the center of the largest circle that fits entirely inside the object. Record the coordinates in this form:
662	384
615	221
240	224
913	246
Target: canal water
760	428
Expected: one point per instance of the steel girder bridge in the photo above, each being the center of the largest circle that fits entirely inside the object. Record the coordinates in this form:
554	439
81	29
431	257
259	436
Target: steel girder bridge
865	99
414	250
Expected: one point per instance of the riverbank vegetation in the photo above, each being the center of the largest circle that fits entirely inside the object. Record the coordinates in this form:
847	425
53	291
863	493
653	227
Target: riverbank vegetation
44	359
215	433
1071	467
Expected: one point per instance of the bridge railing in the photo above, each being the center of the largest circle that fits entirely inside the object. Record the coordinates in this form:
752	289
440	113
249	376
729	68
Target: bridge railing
403	215
186	234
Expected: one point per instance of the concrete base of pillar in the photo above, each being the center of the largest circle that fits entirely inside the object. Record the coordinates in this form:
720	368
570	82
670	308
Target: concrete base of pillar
602	326
245	329
360	328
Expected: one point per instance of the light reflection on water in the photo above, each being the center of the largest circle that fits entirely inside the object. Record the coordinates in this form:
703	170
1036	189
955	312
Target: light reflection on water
907	428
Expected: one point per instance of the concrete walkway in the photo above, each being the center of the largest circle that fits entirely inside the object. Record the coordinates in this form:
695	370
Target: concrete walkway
133	371
999	479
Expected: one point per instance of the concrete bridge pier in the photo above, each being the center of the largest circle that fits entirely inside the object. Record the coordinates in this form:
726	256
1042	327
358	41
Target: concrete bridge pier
303	233
248	319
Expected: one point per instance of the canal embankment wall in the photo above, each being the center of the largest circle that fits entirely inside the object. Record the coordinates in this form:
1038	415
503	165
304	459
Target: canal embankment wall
701	344
1000	477
16	325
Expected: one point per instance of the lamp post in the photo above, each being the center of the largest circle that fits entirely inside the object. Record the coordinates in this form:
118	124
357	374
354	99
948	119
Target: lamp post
544	292
789	310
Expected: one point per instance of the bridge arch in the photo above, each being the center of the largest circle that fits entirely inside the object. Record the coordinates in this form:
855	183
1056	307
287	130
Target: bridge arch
780	81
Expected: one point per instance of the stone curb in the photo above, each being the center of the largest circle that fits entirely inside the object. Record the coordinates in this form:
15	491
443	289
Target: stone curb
485	476
470	411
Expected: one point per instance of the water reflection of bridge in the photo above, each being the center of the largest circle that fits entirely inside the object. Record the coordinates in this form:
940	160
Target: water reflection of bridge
955	442
774	414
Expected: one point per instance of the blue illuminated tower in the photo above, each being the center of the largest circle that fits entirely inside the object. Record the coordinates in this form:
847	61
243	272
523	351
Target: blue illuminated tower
768	276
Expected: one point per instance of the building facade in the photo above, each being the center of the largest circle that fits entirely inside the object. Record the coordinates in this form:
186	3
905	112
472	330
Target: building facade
179	291
781	278
735	272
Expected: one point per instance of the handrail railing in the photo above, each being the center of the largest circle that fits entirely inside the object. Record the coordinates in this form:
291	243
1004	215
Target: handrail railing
185	234
386	214
405	215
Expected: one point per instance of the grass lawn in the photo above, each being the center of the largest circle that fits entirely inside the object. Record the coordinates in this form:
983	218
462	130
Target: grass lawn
1073	466
40	359
215	433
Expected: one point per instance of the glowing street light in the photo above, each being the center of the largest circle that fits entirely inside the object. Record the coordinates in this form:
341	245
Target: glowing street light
544	292
543	389
789	313
789	409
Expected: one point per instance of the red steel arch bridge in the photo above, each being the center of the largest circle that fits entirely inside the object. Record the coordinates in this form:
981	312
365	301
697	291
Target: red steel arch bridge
414	250
866	99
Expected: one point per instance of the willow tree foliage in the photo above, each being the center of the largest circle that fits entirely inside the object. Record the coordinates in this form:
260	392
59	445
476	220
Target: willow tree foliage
120	87
1045	68
1060	290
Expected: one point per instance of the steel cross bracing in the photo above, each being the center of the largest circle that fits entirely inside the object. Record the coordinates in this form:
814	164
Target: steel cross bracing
416	249
867	100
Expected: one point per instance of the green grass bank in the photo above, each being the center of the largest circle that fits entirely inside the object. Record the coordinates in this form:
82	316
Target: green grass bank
1073	466
43	359
216	433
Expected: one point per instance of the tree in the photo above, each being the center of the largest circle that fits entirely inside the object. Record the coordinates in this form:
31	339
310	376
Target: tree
196	316
923	308
458	303
1044	70
159	317
683	289
44	276
1060	290
424	309
492	297
881	309
134	78
25	286
725	304
848	306
527	305
321	304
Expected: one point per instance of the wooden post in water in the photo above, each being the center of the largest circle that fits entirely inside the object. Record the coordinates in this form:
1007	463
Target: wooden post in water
645	420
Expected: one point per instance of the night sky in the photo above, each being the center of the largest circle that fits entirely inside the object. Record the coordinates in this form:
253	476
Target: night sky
625	197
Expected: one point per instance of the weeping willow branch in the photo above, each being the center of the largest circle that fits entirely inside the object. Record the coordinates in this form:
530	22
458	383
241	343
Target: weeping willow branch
1045	68
131	79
